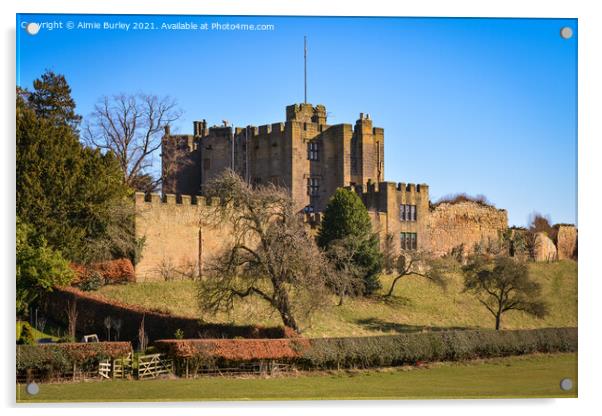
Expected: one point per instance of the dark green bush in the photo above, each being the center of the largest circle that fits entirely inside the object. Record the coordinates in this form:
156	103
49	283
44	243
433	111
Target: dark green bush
391	350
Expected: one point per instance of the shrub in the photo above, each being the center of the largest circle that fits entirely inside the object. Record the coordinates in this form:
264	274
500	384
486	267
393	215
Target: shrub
116	271
39	267
462	197
55	359
27	336
106	272
92	281
435	346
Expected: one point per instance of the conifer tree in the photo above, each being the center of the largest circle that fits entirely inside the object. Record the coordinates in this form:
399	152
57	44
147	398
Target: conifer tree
346	217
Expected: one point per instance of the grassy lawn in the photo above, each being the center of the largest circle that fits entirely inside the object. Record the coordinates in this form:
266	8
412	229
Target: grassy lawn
418	304
525	376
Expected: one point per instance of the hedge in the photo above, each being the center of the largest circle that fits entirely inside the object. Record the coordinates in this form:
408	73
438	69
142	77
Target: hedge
60	358
93	309
375	351
234	349
435	346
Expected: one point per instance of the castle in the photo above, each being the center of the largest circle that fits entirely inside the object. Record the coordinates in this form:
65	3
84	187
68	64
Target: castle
304	154
311	159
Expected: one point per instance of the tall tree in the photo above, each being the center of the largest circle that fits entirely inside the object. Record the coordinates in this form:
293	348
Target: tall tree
271	257
132	128
51	99
346	217
502	284
66	192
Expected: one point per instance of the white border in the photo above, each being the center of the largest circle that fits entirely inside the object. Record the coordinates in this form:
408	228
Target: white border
590	135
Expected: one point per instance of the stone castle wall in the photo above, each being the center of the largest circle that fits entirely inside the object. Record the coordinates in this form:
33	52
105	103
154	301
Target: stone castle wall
465	223
566	242
174	241
176	244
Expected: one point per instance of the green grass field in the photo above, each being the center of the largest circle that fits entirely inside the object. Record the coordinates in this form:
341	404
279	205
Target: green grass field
417	305
525	376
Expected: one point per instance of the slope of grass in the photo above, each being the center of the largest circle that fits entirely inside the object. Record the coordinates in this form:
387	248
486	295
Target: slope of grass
526	376
417	305
37	334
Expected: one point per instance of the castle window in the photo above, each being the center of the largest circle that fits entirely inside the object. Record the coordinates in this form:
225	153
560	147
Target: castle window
407	212
312	151
207	164
313	186
408	241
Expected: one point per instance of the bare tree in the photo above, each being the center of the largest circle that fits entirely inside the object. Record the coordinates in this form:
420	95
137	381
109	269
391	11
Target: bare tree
142	336
270	255
72	313
117	326
502	284
108	322
132	127
422	264
346	275
389	253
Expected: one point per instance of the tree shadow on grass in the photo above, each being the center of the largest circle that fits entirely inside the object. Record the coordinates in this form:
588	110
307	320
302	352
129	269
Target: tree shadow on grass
377	324
393	301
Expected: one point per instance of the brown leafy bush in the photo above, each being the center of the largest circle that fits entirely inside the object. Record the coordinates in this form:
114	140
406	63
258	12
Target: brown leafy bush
112	271
235	349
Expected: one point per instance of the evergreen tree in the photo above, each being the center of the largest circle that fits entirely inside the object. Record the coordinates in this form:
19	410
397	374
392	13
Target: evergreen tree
51	99
346	217
73	196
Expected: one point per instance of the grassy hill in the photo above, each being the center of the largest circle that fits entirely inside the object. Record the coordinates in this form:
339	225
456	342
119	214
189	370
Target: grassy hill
417	305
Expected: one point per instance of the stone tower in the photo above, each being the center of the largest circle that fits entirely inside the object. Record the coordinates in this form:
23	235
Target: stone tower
304	154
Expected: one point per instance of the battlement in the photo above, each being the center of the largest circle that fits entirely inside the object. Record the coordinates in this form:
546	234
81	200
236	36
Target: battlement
373	187
306	113
159	200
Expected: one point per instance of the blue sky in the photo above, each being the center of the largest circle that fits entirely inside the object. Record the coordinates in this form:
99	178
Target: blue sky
482	106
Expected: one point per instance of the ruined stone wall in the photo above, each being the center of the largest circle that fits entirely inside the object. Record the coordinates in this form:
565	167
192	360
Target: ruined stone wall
465	223
566	242
174	241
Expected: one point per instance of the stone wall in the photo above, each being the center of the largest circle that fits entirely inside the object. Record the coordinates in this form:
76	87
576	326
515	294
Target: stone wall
174	240
544	249
566	242
465	223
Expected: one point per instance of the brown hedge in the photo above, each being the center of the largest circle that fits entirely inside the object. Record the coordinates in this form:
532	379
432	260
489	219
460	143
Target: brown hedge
235	349
93	309
112	271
